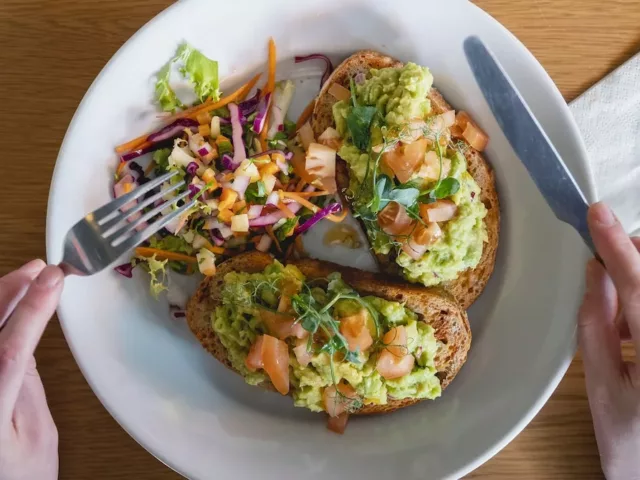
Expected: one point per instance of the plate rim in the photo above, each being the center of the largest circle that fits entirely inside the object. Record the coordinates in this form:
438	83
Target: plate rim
565	357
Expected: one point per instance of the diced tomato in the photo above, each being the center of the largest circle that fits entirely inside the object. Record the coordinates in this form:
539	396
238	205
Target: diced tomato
302	354
449	117
337	401
338	424
475	137
390	367
275	357
254	359
427	235
438	211
395	341
288	288
282	325
466	128
354	328
393	220
405	159
430	169
395	360
421	238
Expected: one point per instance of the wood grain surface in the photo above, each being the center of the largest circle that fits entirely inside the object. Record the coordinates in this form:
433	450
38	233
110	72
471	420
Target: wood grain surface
50	52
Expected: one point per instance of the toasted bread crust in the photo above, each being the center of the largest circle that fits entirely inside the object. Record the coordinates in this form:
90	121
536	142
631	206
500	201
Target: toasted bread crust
470	283
434	306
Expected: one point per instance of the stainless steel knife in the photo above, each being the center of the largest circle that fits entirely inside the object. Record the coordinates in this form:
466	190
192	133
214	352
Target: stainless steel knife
527	138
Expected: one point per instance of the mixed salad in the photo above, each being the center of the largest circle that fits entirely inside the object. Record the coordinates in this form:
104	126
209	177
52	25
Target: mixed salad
259	180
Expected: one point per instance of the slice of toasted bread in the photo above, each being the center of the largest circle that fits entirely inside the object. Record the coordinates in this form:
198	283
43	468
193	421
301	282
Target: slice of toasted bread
433	306
470	283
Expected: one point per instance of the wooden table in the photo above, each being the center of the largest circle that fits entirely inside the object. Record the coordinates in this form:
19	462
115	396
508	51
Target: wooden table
50	52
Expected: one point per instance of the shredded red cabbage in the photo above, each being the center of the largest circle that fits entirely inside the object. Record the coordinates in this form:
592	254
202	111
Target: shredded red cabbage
250	105
328	210
193	190
261	116
126	270
228	162
216	237
173	129
318	56
192	168
142	151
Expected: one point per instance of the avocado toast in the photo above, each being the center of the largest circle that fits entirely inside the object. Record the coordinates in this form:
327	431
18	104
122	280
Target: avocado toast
348	342
461	250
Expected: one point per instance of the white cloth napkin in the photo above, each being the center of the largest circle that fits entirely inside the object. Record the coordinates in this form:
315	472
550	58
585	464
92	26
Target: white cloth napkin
608	115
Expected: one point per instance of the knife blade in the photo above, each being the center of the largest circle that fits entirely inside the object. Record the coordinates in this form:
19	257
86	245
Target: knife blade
528	139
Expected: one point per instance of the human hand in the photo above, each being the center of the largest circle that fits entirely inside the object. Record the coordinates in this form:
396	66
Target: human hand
610	313
28	436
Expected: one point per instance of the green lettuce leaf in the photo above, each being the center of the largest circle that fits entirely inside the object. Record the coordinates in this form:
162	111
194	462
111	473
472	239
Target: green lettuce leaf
171	243
165	95
202	71
157	273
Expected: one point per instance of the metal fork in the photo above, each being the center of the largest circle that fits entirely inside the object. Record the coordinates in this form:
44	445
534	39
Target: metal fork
96	241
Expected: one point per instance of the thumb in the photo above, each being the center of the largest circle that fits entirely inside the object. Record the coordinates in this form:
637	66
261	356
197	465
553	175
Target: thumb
597	332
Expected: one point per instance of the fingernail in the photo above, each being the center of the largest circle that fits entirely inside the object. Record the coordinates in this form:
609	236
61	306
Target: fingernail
49	277
34	266
603	215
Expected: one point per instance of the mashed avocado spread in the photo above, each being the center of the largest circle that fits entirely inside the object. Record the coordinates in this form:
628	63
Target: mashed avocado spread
321	307
390	109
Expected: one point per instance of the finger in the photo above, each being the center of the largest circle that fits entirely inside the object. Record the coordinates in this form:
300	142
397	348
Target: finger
18	339
597	333
14	285
622	260
621	322
31	416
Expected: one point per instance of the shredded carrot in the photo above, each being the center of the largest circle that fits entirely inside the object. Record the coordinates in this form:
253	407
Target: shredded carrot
269	230
193	112
237	95
271	79
320	193
131	144
306	114
285	210
300	185
164	254
337	218
188	111
214	249
269	87
120	167
150	168
263	134
314	208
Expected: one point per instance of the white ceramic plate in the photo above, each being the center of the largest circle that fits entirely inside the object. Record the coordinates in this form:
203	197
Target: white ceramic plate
202	420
